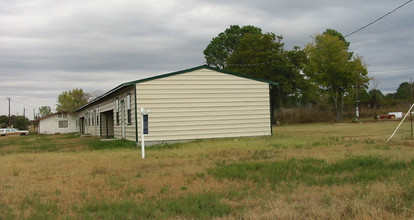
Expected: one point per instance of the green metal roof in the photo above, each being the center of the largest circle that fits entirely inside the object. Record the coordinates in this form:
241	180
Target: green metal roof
124	85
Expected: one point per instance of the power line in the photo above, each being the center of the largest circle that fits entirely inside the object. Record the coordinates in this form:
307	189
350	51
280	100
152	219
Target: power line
14	100
393	70
360	29
376	20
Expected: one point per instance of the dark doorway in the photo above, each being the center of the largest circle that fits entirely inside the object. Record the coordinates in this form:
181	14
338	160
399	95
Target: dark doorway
82	125
107	124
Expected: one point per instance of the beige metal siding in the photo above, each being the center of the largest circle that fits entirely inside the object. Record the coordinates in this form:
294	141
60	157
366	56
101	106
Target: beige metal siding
108	104
204	104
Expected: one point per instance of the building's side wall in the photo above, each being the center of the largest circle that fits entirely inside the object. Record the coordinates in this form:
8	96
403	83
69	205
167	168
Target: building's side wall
204	104
108	104
50	125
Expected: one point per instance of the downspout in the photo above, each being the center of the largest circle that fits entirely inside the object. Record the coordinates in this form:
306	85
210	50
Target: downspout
136	117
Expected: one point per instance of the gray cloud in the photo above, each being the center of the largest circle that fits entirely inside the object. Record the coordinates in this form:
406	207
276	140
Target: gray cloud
49	46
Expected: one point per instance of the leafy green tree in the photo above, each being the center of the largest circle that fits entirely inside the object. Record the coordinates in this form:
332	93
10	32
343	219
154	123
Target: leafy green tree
404	92
4	121
20	122
376	98
45	111
221	47
390	96
334	69
263	56
71	100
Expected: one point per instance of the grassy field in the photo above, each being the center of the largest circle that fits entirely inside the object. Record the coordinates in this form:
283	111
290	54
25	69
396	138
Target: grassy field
312	171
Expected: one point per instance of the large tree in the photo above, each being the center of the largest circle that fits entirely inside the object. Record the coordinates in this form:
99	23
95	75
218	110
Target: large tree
404	92
263	56
221	47
70	100
45	111
17	121
334	69
376	98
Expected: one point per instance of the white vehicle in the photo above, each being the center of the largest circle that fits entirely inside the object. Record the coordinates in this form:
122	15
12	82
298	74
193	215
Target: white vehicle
13	131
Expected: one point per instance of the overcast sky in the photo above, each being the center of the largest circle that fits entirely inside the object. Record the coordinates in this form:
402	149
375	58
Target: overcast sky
49	46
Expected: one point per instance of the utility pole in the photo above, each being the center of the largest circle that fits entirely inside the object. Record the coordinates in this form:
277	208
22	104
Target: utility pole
24	112
9	113
356	99
412	103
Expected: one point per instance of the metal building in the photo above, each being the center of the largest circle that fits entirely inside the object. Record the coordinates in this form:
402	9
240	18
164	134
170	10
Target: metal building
197	103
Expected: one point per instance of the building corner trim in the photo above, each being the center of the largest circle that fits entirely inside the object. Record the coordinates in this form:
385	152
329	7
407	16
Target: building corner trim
136	117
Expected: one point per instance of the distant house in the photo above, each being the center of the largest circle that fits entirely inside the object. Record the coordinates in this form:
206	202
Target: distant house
198	103
57	123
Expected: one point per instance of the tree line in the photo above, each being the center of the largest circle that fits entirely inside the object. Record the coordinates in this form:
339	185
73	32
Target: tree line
325	70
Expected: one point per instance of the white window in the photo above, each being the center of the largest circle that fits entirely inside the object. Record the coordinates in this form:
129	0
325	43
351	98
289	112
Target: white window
97	115
63	115
87	118
128	101
128	106
63	124
93	117
117	111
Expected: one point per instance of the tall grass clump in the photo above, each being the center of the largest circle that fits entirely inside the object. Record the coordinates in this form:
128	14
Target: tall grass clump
312	171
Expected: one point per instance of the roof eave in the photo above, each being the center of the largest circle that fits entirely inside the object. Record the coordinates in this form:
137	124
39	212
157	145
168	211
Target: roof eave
172	74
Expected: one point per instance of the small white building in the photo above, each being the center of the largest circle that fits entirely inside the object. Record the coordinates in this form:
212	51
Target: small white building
197	103
57	123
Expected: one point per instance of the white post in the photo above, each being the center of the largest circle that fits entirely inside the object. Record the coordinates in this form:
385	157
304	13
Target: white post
142	134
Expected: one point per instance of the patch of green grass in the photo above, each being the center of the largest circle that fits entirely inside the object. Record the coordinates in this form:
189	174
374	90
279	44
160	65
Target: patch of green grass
97	144
40	209
194	206
131	191
6	212
402	201
41	147
70	136
369	141
325	142
279	146
5	142
312	171
263	154
164	146
164	189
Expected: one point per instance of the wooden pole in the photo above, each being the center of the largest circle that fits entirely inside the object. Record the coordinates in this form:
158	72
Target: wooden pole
412	103
9	114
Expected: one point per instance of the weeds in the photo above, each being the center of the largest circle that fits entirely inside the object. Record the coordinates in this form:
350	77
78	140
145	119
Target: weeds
302	171
164	146
15	170
40	209
97	144
313	171
194	206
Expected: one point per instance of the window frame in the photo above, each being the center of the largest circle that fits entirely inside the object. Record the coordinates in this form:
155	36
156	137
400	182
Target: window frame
128	107
61	124
117	111
97	115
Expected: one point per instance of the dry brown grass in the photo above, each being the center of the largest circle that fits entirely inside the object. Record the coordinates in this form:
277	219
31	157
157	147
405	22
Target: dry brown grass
73	175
